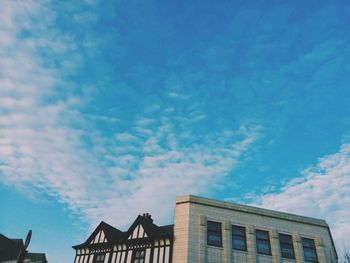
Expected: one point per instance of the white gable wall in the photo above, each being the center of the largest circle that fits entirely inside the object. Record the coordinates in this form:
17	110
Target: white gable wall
138	232
99	238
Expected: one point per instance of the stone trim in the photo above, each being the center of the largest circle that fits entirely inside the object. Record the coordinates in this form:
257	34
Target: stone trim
250	209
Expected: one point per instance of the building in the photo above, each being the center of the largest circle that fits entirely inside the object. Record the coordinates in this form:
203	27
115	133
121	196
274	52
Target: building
143	242
211	231
10	249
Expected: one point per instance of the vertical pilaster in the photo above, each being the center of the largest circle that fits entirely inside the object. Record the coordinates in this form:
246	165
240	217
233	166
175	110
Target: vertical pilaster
182	231
275	246
298	248
226	240
202	239
251	244
320	250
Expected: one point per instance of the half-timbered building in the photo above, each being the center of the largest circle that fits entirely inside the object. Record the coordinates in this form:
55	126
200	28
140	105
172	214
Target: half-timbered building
143	242
211	231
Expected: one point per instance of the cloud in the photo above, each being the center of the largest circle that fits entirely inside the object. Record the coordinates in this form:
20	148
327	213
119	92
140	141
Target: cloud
145	171
179	96
49	143
321	191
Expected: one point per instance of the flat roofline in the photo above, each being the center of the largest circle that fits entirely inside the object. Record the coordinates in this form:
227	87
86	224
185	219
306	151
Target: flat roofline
250	209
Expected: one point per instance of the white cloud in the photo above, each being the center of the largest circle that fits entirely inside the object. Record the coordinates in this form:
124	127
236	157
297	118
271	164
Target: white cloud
160	168
177	95
126	137
42	144
323	191
43	135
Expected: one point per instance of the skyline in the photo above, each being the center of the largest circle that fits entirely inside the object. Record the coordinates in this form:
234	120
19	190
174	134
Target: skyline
109	111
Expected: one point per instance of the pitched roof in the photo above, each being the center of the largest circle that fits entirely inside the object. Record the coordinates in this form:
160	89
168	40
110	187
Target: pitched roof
167	230
9	248
151	229
114	235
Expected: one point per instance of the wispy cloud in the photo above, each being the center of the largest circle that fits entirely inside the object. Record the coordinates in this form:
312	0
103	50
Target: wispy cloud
163	167
322	191
179	96
110	122
36	144
47	143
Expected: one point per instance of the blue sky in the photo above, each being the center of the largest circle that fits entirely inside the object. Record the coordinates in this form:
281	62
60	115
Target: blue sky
109	110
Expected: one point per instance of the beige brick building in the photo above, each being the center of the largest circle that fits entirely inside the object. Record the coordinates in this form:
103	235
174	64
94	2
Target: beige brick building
211	231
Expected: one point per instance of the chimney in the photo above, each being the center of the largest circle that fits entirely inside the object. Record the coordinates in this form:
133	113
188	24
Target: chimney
147	216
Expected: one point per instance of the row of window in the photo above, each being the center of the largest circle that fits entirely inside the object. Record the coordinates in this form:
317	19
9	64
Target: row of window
239	241
138	256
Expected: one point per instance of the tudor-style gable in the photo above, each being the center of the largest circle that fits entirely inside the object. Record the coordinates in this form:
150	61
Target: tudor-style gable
138	232
141	228
103	233
142	242
100	237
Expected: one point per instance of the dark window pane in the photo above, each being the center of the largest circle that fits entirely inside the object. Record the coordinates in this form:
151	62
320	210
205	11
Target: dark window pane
307	242
263	242
310	255
309	250
214	237
287	252
139	256
239	243
99	258
263	247
285	238
286	244
239	238
215	226
261	234
238	230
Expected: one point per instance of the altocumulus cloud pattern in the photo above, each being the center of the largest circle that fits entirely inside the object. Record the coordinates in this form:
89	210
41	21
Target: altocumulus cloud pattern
112	110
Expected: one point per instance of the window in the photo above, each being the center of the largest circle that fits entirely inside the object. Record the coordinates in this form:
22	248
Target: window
214	234
99	258
239	240
309	249
139	256
263	242
286	244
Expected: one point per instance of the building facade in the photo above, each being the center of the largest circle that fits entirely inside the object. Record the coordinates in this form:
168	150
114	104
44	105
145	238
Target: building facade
210	231
143	242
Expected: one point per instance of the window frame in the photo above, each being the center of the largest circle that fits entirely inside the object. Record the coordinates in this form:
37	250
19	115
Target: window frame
262	240
313	247
216	232
286	244
98	255
235	236
136	258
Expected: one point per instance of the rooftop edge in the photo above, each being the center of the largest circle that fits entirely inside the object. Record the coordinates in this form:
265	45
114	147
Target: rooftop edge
250	209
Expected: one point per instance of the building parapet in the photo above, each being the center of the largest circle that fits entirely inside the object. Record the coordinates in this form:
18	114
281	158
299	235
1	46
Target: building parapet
250	209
